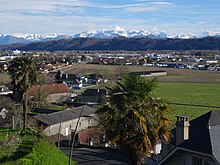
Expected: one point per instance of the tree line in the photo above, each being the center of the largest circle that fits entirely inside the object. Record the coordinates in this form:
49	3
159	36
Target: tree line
121	43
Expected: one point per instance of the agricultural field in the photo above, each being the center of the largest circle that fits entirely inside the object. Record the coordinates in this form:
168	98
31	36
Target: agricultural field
198	98
173	75
200	90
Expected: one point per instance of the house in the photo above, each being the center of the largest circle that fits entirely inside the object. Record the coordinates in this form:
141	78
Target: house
195	142
179	65
153	73
94	78
54	92
93	96
92	137
73	81
4	90
64	122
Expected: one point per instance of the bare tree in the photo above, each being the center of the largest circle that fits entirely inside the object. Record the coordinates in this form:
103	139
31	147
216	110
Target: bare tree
46	78
122	71
4	79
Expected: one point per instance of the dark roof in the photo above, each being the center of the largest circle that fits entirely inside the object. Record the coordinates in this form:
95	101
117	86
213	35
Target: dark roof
94	92
69	77
79	75
95	76
89	99
204	135
146	72
68	114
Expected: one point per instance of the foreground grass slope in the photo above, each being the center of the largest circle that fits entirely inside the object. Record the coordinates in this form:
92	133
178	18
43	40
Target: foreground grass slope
28	149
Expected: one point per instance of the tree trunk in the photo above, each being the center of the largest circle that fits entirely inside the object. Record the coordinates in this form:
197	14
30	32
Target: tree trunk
24	115
136	160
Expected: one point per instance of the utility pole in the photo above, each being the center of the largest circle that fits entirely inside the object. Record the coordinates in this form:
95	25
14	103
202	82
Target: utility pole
74	137
61	120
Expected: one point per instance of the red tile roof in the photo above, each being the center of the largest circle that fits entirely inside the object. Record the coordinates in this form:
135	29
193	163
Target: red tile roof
48	89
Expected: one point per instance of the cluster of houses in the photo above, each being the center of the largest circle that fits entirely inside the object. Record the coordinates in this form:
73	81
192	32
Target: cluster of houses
76	80
47	61
195	142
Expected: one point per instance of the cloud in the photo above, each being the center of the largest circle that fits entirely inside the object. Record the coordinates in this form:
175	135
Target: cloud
51	6
73	16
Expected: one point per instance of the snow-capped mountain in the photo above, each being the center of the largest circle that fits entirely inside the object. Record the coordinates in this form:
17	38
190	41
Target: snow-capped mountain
121	32
182	36
208	33
27	38
105	33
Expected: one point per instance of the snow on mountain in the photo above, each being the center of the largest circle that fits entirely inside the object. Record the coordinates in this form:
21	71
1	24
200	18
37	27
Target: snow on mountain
27	38
182	36
37	37
208	33
118	31
105	33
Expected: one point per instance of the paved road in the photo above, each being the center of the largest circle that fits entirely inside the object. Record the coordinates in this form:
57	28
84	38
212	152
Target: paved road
92	156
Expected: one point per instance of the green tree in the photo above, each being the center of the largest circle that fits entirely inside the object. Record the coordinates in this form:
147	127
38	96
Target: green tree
23	74
134	119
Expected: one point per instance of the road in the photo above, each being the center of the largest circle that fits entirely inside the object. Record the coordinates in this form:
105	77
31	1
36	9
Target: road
93	156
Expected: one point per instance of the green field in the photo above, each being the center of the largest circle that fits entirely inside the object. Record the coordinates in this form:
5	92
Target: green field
201	94
184	86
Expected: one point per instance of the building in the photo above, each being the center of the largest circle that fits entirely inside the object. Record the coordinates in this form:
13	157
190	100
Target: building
73	81
64	122
4	90
195	142
93	96
54	92
154	73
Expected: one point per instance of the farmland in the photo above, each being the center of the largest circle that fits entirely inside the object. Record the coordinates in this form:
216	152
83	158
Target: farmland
196	95
183	86
174	75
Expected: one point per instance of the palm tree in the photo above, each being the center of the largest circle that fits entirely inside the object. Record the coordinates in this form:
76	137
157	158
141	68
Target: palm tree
23	74
134	119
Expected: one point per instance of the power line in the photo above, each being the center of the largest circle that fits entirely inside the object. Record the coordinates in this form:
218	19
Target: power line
195	105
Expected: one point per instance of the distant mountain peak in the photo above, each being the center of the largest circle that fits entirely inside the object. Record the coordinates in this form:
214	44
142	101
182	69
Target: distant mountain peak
119	29
105	33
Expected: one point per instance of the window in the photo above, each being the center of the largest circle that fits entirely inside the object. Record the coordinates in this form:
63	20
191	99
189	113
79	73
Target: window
196	161
206	162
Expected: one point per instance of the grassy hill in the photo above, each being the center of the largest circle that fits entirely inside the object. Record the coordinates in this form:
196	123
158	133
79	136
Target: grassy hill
28	148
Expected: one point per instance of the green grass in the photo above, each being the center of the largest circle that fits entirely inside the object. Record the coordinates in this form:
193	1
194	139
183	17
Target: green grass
57	107
45	153
6	131
189	93
30	148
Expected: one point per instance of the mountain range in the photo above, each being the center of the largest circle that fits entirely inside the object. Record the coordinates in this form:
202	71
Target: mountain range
6	39
119	43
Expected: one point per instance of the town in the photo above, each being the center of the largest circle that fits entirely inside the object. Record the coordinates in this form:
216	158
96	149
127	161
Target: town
47	61
64	102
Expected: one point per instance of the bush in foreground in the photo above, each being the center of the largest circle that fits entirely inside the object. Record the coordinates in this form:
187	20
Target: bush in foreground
45	153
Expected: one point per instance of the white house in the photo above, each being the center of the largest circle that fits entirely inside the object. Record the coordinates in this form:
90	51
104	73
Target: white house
64	122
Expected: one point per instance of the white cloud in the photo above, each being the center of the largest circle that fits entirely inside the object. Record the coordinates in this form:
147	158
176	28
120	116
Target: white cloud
73	16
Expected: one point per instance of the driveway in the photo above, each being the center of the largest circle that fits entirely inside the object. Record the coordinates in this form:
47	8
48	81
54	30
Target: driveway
94	156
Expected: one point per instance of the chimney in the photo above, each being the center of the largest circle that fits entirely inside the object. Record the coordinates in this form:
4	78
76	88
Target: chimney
182	129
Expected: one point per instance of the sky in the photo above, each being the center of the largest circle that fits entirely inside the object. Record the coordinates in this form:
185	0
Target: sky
75	16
